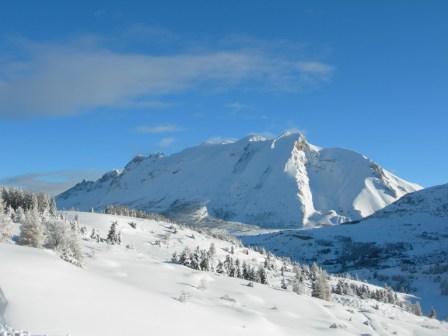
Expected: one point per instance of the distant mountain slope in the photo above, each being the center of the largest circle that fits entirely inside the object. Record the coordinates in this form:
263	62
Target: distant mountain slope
404	245
283	182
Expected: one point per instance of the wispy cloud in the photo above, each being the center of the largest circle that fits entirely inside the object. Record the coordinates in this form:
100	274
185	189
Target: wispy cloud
73	77
166	142
237	106
51	183
158	129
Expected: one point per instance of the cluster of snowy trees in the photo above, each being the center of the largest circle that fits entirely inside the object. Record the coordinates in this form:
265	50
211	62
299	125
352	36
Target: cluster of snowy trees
35	216
17	199
205	260
300	278
120	210
113	235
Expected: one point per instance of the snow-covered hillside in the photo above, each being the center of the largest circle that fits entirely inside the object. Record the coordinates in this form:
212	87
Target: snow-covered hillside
404	245
133	289
284	182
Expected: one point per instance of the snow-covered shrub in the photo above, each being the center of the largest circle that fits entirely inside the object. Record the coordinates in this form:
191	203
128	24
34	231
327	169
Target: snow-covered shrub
64	238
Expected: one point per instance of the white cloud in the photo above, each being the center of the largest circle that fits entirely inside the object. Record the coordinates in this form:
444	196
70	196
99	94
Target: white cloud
158	129
65	79
51	183
237	106
166	142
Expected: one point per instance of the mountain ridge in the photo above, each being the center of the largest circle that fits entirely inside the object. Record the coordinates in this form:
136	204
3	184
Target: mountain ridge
284	182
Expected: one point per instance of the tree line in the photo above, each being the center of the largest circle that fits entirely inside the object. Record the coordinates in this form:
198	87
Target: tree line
31	219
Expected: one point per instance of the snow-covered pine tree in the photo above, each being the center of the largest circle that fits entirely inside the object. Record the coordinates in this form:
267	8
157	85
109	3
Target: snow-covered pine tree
114	236
283	284
238	268
212	251
205	263
261	275
185	257
321	287
220	268
298	286
5	223
32	230
196	259
73	250
19	215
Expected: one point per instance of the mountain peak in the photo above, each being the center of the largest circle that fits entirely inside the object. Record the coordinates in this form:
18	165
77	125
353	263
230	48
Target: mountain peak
281	182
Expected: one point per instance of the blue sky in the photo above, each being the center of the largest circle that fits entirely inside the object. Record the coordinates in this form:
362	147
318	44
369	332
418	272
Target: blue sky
86	86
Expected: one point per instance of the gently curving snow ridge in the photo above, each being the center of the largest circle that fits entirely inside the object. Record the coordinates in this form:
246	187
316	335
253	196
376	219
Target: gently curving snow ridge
284	182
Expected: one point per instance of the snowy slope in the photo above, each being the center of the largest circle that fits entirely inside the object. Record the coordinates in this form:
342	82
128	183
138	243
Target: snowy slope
283	182
135	291
404	245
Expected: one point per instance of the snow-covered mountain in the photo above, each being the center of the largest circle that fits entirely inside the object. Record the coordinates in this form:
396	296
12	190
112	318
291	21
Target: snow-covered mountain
134	289
284	182
405	245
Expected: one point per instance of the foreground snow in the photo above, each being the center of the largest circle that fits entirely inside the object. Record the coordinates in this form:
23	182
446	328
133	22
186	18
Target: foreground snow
134	291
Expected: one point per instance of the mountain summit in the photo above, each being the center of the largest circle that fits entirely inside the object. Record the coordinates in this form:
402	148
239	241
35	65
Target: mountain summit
284	182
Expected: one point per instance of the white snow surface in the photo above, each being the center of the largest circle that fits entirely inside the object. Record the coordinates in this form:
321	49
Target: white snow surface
135	291
406	243
275	183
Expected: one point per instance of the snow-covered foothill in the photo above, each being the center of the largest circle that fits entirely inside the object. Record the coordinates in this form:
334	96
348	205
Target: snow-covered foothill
132	288
404	245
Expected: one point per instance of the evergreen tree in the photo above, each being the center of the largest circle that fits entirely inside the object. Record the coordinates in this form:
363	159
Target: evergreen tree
5	223
238	273
32	231
185	257
114	236
262	276
19	215
298	287
205	263
283	284
220	268
321	288
196	259
212	250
